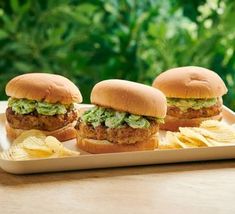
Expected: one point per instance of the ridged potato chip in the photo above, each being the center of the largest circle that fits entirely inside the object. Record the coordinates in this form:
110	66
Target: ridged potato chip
225	136
36	147
194	137
54	145
216	143
58	148
14	153
34	144
184	142
211	124
170	142
29	133
176	138
210	133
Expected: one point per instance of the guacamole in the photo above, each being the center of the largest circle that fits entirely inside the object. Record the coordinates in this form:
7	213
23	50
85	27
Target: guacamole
115	119
196	104
25	106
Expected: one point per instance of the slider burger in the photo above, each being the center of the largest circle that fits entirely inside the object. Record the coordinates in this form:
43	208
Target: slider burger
194	94
125	117
44	102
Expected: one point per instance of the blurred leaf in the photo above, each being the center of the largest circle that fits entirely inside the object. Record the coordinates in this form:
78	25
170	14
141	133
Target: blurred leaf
15	5
3	34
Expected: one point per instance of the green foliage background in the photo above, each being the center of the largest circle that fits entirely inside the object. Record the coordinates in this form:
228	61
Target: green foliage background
92	40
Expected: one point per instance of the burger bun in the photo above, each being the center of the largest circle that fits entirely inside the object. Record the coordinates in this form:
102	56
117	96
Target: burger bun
131	97
66	133
45	87
190	82
104	146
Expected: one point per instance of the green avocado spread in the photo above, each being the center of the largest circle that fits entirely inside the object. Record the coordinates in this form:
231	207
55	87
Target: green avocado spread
115	119
184	104
25	106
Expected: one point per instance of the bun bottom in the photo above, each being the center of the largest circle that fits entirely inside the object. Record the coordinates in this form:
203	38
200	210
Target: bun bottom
66	133
173	123
104	146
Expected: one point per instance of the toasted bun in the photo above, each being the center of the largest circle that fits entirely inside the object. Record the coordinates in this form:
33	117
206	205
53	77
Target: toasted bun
190	82
173	123
50	88
66	133
129	96
104	146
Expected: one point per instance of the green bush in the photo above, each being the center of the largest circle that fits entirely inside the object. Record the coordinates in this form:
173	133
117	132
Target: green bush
89	41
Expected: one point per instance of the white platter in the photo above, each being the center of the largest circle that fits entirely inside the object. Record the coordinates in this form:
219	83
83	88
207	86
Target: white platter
92	161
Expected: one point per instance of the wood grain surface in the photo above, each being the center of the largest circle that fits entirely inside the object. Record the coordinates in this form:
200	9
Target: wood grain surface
203	187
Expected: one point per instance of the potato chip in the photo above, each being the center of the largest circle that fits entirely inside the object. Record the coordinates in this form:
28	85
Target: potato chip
34	144
169	142
54	144
214	125
27	134
183	141
14	153
58	148
174	138
189	143
219	132
216	143
225	136
194	137
36	147
210	124
210	133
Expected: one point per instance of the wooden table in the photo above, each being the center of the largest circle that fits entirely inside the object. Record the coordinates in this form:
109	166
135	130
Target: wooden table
203	187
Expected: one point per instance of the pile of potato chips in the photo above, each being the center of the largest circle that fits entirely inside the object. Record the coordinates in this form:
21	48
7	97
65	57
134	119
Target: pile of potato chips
210	133
34	144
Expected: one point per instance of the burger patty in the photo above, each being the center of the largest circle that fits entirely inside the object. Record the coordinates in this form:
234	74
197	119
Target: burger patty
192	113
38	121
123	135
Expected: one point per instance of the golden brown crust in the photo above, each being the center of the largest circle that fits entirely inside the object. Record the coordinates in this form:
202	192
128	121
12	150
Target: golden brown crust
190	82
50	88
122	135
104	146
66	133
130	97
173	123
195	113
38	121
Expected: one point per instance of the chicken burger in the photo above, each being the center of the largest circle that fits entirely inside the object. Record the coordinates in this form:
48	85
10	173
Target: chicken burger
194	94
125	117
44	102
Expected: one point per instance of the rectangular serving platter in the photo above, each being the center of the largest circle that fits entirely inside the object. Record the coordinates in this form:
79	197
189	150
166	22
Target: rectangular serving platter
92	161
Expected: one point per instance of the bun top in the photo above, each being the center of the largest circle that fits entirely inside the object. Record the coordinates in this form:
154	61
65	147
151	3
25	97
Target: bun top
130	97
50	88
190	82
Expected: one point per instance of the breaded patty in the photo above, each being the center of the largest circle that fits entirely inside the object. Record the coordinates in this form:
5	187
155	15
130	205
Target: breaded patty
192	113
37	121
122	135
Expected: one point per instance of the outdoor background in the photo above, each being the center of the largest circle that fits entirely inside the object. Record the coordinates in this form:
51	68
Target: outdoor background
88	41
